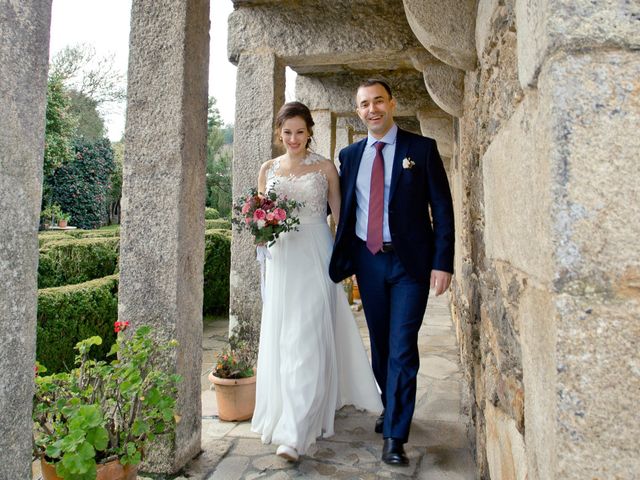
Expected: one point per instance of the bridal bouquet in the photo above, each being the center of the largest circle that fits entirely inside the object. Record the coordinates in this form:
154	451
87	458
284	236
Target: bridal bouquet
265	216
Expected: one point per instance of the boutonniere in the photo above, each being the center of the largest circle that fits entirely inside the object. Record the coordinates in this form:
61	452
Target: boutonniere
407	163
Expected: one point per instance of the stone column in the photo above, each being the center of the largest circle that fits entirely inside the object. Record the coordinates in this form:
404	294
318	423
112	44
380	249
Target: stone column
162	234
260	86
342	139
580	356
24	48
324	133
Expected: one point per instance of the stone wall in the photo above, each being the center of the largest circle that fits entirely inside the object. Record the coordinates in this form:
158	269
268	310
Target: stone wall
546	294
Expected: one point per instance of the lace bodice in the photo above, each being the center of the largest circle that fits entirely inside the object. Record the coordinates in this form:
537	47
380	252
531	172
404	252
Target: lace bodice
310	188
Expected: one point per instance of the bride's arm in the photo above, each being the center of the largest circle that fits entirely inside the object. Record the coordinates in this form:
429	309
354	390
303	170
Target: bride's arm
333	196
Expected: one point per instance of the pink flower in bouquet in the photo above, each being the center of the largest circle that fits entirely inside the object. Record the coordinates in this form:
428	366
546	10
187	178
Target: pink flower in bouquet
259	214
270	217
247	220
279	214
246	207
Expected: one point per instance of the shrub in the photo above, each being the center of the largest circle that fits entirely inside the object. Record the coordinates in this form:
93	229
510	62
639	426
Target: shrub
211	213
217	223
72	313
71	261
80	186
45	238
217	265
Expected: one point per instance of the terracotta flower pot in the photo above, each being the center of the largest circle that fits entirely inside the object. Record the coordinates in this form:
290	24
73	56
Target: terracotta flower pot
112	470
236	397
62	223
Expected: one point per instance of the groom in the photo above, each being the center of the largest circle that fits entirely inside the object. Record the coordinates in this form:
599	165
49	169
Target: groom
396	234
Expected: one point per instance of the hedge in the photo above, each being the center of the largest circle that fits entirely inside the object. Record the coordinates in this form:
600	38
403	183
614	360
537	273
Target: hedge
71	261
46	238
222	223
72	313
217	265
211	213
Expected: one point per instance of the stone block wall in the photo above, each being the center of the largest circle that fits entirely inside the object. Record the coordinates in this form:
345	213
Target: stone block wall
545	296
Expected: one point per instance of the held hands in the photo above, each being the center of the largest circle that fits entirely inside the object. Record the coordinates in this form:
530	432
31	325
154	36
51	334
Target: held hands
440	281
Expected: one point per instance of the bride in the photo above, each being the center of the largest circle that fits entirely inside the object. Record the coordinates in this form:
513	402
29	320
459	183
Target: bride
311	359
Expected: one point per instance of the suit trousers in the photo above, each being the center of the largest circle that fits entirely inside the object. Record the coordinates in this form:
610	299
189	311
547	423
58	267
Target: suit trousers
394	306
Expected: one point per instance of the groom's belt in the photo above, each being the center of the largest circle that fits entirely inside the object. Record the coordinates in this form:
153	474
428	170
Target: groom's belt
387	247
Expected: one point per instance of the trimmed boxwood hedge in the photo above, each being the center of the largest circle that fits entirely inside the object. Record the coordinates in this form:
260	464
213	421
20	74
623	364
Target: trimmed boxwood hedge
217	265
72	313
221	223
211	213
71	261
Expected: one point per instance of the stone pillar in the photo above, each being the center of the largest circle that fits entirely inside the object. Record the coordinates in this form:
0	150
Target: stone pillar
342	139
24	49
581	379
439	126
163	195
324	133
259	94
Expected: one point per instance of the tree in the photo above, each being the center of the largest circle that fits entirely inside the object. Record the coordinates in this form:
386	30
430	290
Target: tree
81	186
94	86
90	123
78	67
218	163
59	132
115	190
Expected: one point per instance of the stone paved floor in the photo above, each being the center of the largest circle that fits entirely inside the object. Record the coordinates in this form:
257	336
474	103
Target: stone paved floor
438	447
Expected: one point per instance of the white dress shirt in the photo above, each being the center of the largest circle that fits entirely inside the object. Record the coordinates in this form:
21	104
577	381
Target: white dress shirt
363	182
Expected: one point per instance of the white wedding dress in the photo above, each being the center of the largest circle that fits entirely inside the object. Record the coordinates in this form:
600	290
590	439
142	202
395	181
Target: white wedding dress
311	360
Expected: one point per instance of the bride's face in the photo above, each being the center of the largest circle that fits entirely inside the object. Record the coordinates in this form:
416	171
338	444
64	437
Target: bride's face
294	135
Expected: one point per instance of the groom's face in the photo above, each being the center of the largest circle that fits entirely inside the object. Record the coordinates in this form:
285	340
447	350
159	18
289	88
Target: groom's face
375	109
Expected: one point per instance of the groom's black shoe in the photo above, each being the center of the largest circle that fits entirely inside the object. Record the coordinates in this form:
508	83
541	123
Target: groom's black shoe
393	453
379	423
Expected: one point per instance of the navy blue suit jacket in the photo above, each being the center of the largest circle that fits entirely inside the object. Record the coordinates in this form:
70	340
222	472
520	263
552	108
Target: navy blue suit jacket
420	209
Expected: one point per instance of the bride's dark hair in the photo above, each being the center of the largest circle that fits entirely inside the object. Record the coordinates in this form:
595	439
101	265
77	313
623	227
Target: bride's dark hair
295	109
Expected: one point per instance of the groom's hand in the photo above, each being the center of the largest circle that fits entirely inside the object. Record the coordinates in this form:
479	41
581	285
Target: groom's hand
440	281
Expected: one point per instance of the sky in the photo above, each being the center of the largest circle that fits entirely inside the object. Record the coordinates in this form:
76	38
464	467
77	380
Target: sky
105	26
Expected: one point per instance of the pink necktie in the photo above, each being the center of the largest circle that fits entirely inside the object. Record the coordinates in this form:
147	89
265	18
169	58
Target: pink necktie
376	201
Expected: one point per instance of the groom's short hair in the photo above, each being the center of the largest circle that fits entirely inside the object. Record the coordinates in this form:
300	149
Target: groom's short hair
376	81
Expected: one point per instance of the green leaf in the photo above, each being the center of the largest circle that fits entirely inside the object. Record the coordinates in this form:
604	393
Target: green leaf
53	450
86	451
153	397
98	437
167	414
139	427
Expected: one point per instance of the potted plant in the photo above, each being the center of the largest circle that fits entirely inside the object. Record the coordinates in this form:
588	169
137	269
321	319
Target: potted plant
234	374
50	214
96	420
63	220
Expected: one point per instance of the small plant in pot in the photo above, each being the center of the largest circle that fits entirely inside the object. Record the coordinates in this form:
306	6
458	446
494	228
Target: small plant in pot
50	214
104	413
234	374
63	220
